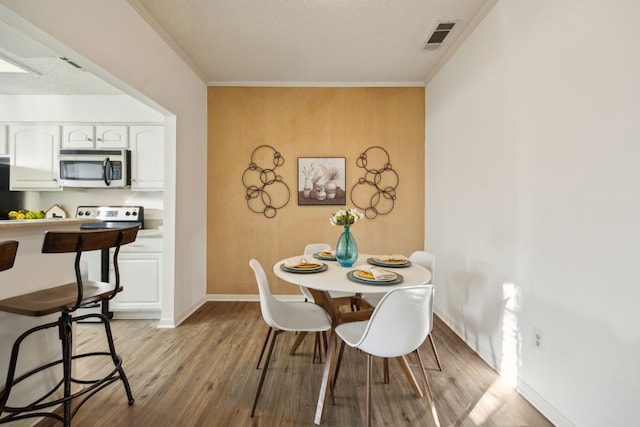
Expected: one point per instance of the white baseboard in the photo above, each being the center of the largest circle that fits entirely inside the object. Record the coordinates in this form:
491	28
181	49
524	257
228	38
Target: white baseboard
172	323
250	298
136	314
552	414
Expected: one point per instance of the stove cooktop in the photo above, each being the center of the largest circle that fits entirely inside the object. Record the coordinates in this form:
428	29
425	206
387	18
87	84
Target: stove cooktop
111	216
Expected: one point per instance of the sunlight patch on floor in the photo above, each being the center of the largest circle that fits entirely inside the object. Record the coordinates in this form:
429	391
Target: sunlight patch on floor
501	390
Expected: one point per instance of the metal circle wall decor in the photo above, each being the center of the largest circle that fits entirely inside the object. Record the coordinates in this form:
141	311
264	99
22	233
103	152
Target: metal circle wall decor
375	192
266	192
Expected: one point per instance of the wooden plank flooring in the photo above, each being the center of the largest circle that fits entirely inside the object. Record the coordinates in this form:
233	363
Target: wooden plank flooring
203	373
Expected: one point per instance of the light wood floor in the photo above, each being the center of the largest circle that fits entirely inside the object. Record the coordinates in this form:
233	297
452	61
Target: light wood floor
203	374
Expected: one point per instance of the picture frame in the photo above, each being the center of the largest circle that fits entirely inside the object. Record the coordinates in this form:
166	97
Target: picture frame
322	181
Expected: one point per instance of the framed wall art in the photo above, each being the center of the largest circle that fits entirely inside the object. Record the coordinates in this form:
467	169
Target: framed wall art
321	181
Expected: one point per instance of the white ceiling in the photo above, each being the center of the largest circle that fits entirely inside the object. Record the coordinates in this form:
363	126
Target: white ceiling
278	42
305	41
49	75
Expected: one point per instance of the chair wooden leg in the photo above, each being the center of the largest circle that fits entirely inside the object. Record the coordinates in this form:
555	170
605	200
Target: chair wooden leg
266	340
299	338
385	374
404	364
317	348
435	352
369	369
338	363
427	389
264	371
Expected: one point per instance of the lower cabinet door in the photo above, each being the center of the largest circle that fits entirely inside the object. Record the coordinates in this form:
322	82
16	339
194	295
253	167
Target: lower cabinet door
140	276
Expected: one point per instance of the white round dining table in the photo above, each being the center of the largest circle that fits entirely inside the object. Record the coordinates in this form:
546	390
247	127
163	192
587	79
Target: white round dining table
335	278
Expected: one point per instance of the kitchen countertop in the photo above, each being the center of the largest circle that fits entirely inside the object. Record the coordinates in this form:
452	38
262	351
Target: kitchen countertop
14	224
26	224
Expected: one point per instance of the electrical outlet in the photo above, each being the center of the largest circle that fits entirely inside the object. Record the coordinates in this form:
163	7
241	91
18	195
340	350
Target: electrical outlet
538	339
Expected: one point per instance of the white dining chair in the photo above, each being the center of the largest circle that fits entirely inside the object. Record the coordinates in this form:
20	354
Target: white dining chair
313	248
283	316
398	326
428	261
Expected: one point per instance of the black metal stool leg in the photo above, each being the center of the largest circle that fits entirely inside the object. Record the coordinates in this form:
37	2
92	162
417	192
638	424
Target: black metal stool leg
117	360
66	340
15	413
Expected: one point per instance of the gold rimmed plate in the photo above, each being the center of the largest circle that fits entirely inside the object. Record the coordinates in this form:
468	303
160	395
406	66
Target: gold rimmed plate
397	263
351	275
305	268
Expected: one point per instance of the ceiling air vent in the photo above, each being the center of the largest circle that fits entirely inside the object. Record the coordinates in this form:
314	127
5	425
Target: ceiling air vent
439	34
70	62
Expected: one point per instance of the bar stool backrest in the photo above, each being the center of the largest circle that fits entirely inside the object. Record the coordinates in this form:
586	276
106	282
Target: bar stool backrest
8	250
56	242
87	240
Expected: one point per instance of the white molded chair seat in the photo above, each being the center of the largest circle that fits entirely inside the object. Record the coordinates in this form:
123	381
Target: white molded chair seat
283	316
428	261
398	326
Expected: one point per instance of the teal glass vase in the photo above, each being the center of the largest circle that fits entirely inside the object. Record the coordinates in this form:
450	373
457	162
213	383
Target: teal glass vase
346	248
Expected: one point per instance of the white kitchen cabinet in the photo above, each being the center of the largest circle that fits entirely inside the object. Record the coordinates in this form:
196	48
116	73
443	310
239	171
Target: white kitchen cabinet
34	157
140	265
87	136
147	157
4	146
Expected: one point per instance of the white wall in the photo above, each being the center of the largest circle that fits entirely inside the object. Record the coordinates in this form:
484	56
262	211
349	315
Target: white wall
110	39
532	184
76	108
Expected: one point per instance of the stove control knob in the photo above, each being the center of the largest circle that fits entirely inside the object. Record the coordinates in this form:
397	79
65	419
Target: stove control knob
87	213
128	213
80	213
135	213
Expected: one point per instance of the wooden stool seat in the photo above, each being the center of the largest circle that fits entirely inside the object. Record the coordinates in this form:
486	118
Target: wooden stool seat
65	299
54	300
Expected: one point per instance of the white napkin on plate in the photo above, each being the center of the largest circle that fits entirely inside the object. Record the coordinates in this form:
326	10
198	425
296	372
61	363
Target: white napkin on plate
300	263
377	273
396	258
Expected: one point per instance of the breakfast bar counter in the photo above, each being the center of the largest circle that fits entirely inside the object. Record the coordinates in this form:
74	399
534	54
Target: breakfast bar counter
17	224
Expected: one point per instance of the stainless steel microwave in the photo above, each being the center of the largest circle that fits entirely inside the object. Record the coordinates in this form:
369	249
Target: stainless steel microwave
95	168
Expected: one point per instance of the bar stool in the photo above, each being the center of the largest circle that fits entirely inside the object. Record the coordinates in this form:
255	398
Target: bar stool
8	250
66	299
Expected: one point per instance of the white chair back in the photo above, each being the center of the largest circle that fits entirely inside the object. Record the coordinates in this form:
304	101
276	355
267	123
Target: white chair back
400	323
425	259
268	304
313	248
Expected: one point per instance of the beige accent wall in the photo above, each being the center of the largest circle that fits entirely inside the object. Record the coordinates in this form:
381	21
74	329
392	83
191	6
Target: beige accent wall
305	122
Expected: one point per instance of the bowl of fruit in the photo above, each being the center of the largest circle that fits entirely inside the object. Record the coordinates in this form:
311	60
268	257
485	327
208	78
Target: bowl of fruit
26	214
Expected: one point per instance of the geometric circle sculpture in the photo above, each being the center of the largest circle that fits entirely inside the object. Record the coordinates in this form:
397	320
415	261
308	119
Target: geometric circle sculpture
265	191
375	191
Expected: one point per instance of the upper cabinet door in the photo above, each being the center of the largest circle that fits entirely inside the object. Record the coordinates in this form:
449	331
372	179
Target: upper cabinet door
111	137
87	136
147	157
34	157
4	147
78	137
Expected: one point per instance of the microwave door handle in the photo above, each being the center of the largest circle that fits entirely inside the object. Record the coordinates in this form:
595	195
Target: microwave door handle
106	170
